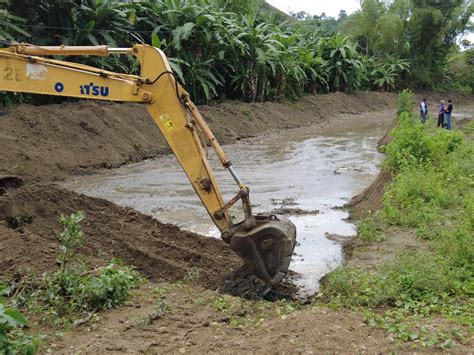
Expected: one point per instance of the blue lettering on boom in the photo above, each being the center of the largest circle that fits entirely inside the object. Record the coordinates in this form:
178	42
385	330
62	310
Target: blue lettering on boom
104	91
94	90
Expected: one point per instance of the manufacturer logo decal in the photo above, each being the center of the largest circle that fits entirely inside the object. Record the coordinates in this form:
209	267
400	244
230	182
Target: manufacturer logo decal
94	90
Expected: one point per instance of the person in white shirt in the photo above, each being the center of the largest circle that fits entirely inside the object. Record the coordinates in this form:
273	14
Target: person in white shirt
423	110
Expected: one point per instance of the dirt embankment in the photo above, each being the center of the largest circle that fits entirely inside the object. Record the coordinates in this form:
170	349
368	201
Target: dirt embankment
45	143
28	237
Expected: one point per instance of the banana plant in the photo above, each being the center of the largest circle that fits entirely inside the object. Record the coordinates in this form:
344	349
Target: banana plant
291	74
260	60
10	29
387	71
344	62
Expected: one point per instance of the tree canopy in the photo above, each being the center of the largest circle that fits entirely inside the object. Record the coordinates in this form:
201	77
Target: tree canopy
246	50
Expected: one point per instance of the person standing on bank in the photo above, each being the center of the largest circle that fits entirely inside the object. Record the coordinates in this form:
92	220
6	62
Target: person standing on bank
423	110
447	114
442	110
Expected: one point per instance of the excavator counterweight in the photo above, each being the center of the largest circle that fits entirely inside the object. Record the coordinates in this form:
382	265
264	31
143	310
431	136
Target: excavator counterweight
265	241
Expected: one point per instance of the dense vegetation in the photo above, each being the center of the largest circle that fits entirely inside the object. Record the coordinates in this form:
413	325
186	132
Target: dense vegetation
231	49
431	196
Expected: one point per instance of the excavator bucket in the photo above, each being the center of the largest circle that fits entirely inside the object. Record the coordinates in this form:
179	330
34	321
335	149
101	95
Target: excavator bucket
267	247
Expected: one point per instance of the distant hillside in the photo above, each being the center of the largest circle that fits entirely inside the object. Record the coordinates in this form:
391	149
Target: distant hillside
266	8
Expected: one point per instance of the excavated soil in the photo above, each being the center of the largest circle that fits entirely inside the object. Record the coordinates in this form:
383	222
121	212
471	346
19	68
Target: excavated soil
159	251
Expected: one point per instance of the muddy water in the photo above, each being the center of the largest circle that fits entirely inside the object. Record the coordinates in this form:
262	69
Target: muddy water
311	168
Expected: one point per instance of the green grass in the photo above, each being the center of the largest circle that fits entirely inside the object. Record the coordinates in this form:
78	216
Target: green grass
433	193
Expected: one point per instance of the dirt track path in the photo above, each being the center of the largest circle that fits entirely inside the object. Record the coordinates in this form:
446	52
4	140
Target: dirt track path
198	323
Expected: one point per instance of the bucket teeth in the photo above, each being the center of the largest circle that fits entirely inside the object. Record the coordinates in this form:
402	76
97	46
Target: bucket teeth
267	248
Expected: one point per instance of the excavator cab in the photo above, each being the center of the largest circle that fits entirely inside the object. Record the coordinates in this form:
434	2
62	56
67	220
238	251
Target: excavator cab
265	241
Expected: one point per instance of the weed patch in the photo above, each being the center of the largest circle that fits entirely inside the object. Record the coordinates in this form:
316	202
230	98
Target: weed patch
160	310
74	293
371	228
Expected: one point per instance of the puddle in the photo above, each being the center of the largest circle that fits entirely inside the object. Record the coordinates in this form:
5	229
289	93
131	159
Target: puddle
311	169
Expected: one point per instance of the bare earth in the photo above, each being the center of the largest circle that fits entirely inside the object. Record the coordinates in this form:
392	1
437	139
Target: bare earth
41	145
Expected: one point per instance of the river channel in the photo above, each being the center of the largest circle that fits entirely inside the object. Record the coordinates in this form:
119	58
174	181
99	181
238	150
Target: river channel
315	168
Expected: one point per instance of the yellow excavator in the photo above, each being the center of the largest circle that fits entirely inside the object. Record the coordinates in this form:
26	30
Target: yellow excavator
264	241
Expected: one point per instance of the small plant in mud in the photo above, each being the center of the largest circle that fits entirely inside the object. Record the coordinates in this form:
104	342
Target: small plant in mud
286	308
74	293
222	303
235	316
160	292
161	308
71	237
240	313
192	276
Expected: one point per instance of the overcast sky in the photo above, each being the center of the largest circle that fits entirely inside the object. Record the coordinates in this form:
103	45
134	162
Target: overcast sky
330	7
316	7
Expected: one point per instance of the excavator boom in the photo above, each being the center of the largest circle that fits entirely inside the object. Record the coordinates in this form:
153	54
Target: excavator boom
265	241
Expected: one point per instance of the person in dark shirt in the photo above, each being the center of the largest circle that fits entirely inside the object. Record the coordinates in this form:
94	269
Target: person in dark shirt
441	112
447	115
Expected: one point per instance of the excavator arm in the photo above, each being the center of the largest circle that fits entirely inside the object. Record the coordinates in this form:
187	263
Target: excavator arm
265	241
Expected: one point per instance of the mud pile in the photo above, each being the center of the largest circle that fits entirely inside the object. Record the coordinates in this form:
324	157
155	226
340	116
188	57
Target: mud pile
30	228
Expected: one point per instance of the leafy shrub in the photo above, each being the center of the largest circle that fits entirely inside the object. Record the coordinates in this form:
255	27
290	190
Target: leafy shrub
413	145
74	293
405	101
371	228
12	339
416	197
